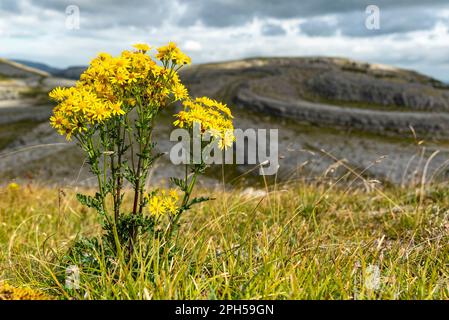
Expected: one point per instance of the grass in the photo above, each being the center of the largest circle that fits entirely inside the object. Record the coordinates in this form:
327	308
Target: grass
299	241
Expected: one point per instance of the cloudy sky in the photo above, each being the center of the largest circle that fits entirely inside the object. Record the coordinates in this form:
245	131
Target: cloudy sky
412	34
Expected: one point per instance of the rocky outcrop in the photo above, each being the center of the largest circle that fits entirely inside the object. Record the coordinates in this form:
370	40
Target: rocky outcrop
24	86
339	97
388	92
23	110
10	90
329	92
435	124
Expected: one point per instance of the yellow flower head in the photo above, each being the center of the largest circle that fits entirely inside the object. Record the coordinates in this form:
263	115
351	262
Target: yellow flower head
120	77
179	91
13	186
121	63
116	108
211	115
142	47
172	53
161	203
58	94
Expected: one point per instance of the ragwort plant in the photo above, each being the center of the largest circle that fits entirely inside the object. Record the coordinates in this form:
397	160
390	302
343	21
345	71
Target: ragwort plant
111	112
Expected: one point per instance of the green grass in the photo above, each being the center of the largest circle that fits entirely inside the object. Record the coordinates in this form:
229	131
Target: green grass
300	241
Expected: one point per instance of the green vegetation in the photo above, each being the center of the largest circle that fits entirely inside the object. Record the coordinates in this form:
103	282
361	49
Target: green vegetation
330	239
299	241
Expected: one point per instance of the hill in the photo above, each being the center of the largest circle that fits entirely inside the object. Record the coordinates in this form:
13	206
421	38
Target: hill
40	66
11	69
359	113
329	92
72	72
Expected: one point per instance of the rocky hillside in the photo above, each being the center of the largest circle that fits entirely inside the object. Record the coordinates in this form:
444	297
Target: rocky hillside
329	92
16	70
19	81
359	113
72	72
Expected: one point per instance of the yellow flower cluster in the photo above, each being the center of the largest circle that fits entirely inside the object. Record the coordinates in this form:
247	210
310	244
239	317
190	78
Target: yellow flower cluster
171	53
143	47
211	115
163	202
112	86
78	107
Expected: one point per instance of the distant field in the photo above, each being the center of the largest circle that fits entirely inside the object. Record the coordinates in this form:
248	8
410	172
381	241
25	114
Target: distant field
299	241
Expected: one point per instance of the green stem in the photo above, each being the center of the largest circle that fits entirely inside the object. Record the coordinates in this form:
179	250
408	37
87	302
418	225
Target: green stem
117	180
185	201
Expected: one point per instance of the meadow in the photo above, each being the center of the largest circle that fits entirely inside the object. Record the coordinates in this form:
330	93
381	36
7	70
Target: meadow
127	238
296	240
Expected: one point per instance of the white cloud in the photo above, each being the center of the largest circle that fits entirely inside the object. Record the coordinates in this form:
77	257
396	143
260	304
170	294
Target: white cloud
191	45
40	35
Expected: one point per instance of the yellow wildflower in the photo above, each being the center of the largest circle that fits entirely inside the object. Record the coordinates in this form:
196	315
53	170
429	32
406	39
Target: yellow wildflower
142	47
212	116
180	58
116	108
120	77
57	120
109	79
179	91
101	112
172	53
156	205
225	141
13	186
132	77
163	202
121	63
58	94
